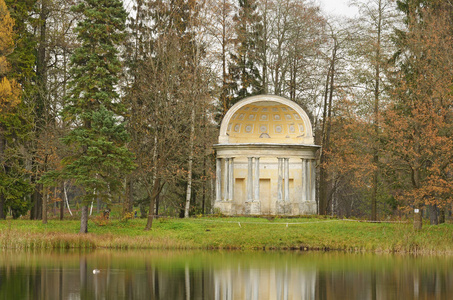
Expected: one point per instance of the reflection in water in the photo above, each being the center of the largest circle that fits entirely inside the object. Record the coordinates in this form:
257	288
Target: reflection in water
217	275
264	283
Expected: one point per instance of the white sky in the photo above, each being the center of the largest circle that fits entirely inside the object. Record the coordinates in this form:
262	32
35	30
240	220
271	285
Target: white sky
337	7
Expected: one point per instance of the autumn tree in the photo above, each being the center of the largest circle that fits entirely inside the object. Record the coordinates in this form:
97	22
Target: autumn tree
60	42
348	159
294	32
167	97
418	123
219	26
372	49
335	82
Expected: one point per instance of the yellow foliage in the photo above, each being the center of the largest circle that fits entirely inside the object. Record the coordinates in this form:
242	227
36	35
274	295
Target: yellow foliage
9	94
100	220
10	90
6	30
3	65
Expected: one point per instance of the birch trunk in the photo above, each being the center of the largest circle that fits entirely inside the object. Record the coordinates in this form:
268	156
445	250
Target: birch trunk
189	170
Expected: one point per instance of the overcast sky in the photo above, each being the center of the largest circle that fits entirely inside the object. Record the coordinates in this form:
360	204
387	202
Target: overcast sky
337	7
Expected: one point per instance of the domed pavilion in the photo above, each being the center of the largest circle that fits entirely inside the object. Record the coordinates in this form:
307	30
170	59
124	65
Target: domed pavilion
266	159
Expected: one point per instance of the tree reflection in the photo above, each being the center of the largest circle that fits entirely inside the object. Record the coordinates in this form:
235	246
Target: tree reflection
218	276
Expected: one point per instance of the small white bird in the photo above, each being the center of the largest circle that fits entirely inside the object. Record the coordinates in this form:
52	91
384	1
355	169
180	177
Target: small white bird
96	271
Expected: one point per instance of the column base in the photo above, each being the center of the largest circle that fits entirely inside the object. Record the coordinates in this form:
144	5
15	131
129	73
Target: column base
283	208
295	209
224	207
253	207
238	209
307	208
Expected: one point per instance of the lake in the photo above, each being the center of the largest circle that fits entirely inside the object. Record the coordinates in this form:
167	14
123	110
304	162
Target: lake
107	274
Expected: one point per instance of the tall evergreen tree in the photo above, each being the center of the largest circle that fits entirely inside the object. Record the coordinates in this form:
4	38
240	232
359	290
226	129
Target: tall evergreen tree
246	58
98	139
13	183
22	60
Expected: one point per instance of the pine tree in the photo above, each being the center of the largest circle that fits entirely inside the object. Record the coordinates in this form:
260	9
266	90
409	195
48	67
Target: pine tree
13	185
22	60
246	59
98	139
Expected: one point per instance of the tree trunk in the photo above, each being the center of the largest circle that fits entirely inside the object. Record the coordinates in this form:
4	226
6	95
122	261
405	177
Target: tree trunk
152	196
264	48
2	150
45	193
323	174
127	205
203	205
2	207
224	94
66	197
54	208
149	224
84	219
40	113
442	216
61	203
143	210
157	205
98	205
36	210
432	209
189	170
376	116
327	113
418	220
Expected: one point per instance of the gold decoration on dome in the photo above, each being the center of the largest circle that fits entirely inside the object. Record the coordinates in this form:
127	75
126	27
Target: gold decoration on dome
269	120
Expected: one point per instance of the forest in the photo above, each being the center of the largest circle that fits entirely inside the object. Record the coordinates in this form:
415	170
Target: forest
110	102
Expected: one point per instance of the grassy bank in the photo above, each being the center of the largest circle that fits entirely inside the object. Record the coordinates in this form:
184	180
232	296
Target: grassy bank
231	233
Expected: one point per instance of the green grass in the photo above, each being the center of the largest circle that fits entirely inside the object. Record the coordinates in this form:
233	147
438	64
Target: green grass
231	233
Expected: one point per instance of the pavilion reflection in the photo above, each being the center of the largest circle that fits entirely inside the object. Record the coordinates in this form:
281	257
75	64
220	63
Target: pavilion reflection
222	278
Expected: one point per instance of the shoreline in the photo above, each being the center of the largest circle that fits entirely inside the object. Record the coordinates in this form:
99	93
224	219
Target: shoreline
232	233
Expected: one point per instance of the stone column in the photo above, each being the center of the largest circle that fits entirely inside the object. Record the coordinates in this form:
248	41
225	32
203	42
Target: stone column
304	182
250	179
313	180
218	176
225	178
307	180
256	179
280	179
231	179
286	161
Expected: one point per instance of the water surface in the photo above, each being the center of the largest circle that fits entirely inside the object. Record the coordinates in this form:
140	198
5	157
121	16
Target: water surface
222	275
